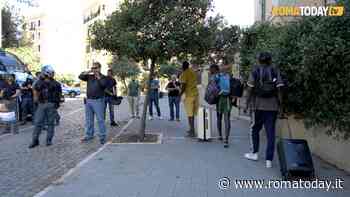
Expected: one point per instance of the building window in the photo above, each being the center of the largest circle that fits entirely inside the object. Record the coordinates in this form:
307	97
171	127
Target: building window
39	48
39	23
39	35
33	36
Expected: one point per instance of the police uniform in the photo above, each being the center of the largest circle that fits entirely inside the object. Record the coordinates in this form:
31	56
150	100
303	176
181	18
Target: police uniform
46	112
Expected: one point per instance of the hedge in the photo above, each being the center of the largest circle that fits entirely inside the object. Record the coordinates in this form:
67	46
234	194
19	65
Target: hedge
314	57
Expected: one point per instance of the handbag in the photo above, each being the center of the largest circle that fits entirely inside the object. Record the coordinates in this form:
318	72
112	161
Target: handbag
116	100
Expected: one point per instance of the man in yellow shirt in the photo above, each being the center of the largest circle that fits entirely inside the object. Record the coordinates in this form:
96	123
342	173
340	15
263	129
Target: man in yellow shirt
188	80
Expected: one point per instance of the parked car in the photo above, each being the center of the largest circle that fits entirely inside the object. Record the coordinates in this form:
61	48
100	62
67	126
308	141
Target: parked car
70	91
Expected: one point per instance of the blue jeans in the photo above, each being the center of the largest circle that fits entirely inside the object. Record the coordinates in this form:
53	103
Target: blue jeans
110	107
95	107
174	101
44	115
268	120
27	107
154	98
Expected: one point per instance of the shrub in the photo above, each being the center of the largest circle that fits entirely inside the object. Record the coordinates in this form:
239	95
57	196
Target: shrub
314	56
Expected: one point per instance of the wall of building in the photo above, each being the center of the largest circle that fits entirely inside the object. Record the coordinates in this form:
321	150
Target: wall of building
60	38
330	149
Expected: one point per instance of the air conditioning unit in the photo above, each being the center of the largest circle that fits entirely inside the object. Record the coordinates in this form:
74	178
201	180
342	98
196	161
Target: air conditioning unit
204	123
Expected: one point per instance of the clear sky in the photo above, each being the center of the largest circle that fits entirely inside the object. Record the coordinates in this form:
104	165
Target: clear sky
236	12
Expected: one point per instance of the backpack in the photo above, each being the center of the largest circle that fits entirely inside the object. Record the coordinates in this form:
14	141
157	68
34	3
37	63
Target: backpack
265	80
212	92
236	87
225	84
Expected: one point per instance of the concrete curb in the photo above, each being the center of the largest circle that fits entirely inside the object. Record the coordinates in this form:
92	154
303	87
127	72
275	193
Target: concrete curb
80	164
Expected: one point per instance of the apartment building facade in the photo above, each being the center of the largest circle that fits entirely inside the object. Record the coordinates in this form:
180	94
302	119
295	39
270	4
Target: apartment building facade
93	11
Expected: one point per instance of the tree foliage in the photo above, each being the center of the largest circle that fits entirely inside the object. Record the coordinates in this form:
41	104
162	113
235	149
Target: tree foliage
314	55
9	28
155	30
29	56
168	69
124	69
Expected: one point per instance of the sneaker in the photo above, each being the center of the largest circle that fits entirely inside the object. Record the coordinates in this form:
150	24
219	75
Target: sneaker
86	139
150	118
171	119
34	144
268	164
178	119
160	118
102	141
190	134
48	143
226	144
251	156
114	124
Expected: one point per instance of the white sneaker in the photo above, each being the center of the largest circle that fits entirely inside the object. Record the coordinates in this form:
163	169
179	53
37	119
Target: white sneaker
268	164
150	118
251	156
160	118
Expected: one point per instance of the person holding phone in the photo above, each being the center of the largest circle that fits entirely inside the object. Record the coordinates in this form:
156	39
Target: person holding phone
94	103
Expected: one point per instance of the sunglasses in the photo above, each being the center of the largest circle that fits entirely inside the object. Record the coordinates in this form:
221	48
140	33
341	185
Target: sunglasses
95	68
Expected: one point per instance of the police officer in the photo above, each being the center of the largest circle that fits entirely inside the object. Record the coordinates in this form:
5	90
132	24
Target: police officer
46	94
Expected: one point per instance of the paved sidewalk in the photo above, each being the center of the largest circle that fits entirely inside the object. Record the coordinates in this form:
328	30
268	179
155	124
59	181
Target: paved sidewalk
181	167
25	172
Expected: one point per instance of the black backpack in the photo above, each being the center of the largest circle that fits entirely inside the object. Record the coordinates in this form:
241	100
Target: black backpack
236	87
265	81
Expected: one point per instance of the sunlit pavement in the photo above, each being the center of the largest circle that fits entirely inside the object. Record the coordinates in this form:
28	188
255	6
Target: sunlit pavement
24	172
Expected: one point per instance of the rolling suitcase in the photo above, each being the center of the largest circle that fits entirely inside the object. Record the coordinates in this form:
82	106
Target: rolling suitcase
295	158
204	124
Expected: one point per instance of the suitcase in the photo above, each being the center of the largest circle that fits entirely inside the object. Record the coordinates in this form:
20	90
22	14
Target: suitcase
295	158
204	124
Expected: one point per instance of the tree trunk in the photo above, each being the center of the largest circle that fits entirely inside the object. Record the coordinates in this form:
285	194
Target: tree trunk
125	86
145	104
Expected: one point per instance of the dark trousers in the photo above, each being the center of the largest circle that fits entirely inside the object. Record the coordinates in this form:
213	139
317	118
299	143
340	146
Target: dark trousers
174	101
154	100
45	115
108	101
27	107
227	123
268	120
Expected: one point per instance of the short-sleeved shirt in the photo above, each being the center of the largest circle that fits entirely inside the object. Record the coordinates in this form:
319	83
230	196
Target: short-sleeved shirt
189	78
133	88
154	87
265	104
49	91
10	89
110	84
175	92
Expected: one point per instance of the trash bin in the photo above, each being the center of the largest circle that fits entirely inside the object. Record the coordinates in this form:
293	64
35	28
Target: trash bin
9	114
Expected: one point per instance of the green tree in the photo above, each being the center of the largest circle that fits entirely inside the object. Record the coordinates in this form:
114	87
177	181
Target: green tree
313	55
125	69
168	69
29	56
154	30
9	28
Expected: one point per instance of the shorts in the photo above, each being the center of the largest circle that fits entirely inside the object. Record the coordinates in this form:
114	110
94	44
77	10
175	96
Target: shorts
191	106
